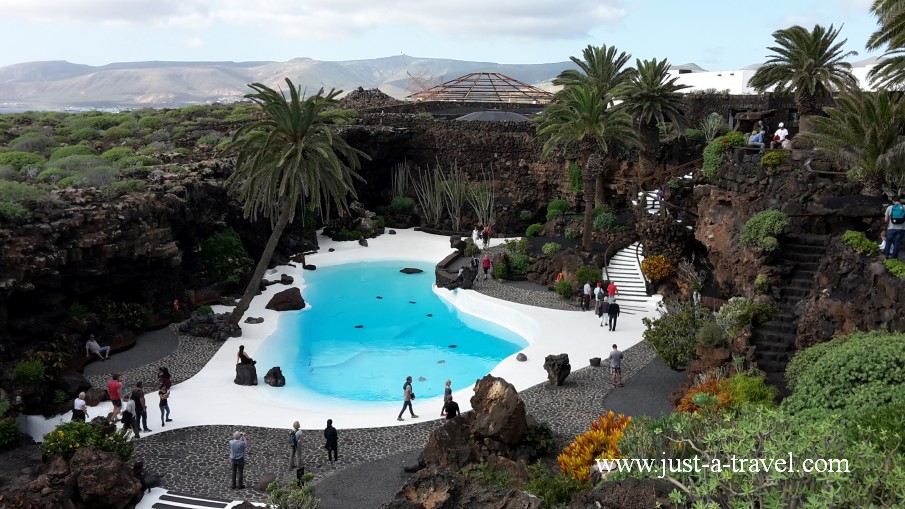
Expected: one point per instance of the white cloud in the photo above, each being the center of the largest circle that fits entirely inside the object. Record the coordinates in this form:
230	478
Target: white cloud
178	13
194	42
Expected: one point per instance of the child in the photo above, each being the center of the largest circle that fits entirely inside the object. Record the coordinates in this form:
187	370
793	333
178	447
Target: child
882	240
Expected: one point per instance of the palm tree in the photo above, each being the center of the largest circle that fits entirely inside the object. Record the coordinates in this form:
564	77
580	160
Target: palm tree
808	64
602	68
578	115
863	132
290	157
890	72
651	97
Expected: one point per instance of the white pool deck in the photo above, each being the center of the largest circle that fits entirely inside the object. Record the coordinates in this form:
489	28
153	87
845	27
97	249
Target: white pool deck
211	397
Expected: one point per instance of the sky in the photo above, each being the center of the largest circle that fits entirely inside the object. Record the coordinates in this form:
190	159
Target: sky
717	35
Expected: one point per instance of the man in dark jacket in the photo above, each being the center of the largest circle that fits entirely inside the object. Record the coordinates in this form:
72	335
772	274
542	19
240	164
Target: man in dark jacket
612	313
332	441
451	408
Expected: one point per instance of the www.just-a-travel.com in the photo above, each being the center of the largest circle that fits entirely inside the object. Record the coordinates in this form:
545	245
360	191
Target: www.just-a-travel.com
666	466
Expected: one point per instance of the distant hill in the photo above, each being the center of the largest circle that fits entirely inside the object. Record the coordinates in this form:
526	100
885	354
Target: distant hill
60	84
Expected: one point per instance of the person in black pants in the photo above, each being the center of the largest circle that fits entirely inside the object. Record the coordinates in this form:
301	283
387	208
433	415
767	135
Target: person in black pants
141	410
332	441
451	408
612	313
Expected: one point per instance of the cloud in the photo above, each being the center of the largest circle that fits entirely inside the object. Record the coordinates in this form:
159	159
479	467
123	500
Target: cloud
194	42
518	19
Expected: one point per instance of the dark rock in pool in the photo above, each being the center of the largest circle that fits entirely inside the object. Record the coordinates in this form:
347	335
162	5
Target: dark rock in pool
422	379
246	374
330	250
287	300
411	302
359	326
410	270
392	232
286	279
441	361
521	357
453	346
379	297
252	319
430	314
274	377
310	267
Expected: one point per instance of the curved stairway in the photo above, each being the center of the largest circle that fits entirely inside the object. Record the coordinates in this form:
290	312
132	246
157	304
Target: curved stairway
624	269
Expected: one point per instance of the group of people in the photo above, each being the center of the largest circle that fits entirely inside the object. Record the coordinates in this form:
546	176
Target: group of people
481	236
781	138
130	407
605	306
450	408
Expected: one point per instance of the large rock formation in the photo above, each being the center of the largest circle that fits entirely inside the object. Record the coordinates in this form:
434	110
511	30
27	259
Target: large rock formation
432	489
558	368
287	300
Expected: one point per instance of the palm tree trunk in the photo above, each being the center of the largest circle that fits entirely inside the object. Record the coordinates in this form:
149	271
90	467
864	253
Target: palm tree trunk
263	263
598	188
650	146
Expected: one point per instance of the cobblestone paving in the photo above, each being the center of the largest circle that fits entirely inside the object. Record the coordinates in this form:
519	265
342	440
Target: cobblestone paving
196	459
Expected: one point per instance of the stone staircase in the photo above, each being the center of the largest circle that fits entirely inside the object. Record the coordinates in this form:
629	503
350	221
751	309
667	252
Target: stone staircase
176	500
774	341
624	269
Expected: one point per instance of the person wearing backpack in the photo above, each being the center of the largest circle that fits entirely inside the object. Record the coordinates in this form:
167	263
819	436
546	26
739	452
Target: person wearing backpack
895	227
295	435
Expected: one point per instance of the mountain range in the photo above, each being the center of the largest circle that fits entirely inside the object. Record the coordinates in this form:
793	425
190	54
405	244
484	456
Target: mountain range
62	85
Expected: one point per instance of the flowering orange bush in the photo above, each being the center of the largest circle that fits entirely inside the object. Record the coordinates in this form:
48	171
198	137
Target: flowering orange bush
716	388
600	442
657	268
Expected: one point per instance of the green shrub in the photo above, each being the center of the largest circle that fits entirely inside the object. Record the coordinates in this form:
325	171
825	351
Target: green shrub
556	490
224	257
557	208
293	495
895	267
12	212
489	475
764	225
84	134
72	181
563	287
53	175
534	230
9	432
121	187
151	122
883	422
116	133
525	215
516	246
72	150
208	139
19	192
600	209
29	372
860	243
571	233
694	134
32	142
713	158
129	315
472	249
674	334
518	264
739	312
139	160
854	375
68	437
539	437
745	389
551	248
402	205
500	270
773	159
116	153
711	335
21	160
78	163
575	181
588	274
204	311
605	222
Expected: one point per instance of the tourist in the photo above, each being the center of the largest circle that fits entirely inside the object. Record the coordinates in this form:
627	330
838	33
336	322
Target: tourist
295	435
130	418
91	347
485	237
611	292
114	389
895	227
604	311
407	396
756	139
485	263
559	277
612	313
237	447
164	394
476	235
447	396
141	409
883	240
779	136
586	297
616	366
242	357
332	444
599	298
79	408
787	143
163	376
451	409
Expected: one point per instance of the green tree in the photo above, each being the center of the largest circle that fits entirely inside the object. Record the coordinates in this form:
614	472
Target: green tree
601	68
652	98
890	72
808	64
290	157
579	116
863	133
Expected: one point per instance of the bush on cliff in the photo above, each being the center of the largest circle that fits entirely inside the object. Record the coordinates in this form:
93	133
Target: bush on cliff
69	437
224	257
557	208
674	334
21	160
860	243
763	228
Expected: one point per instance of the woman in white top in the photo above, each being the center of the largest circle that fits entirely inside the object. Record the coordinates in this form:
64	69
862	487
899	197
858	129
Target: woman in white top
80	408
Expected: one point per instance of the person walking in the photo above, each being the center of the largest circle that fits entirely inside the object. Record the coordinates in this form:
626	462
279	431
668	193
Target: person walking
130	418
447	396
611	292
616	366
895	227
295	452
485	237
237	448
485	263
586	297
407	396
451	409
114	392
141	409
332	445
164	395
599	298
79	408
612	313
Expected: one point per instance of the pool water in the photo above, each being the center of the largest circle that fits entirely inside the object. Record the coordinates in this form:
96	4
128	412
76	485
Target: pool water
369	326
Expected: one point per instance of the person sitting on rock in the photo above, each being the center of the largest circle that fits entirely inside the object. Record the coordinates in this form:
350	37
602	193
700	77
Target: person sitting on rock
91	347
243	358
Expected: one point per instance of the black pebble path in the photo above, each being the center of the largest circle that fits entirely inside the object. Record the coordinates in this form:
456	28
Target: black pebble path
369	471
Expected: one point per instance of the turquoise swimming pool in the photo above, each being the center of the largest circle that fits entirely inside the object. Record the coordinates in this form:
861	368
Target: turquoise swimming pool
369	326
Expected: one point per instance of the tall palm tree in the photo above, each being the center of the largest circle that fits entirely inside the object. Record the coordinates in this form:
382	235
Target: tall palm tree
290	157
863	132
890	72
579	116
602	68
808	64
651	97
